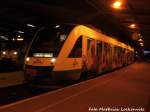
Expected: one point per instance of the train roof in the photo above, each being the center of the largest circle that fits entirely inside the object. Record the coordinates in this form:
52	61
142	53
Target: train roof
93	32
98	35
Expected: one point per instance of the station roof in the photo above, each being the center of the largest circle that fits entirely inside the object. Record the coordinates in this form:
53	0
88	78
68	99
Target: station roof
19	15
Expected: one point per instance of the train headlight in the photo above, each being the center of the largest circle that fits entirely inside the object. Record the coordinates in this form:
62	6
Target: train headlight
15	53
27	59
4	52
53	60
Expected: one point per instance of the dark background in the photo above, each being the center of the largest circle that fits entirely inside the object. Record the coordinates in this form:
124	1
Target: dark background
15	14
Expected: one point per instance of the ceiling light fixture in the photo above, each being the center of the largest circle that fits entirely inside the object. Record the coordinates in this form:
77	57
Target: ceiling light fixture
20	39
31	25
132	26
140	40
141	44
117	4
3	37
20	32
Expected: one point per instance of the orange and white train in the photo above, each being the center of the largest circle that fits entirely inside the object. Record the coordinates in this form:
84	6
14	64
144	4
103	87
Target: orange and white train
72	52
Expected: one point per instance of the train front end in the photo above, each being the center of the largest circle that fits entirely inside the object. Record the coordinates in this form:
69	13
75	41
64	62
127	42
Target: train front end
43	53
39	67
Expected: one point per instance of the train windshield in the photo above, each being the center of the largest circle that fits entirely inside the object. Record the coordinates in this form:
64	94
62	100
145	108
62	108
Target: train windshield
49	41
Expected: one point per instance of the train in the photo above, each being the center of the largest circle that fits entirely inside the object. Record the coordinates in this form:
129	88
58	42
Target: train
9	54
74	52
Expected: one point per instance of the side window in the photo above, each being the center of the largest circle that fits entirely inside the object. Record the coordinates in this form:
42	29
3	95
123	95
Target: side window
76	51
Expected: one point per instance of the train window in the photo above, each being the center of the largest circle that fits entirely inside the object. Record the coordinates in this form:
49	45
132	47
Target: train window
76	52
50	40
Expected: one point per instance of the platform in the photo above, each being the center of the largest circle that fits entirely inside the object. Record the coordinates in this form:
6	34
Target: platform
11	79
127	88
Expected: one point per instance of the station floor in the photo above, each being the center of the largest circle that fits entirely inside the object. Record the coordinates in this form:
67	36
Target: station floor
124	90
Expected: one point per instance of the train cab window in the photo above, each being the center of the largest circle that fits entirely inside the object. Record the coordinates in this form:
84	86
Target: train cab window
76	52
50	40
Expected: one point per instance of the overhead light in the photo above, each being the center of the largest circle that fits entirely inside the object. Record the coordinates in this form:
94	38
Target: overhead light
117	4
3	37
140	40
13	39
4	52
132	26
20	32
20	39
31	25
15	52
57	26
136	52
146	52
18	36
141	44
139	35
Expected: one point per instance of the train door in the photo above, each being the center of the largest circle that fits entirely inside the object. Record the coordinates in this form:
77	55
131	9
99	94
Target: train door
99	57
110	56
113	56
116	56
91	55
121	56
76	54
107	57
70	66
